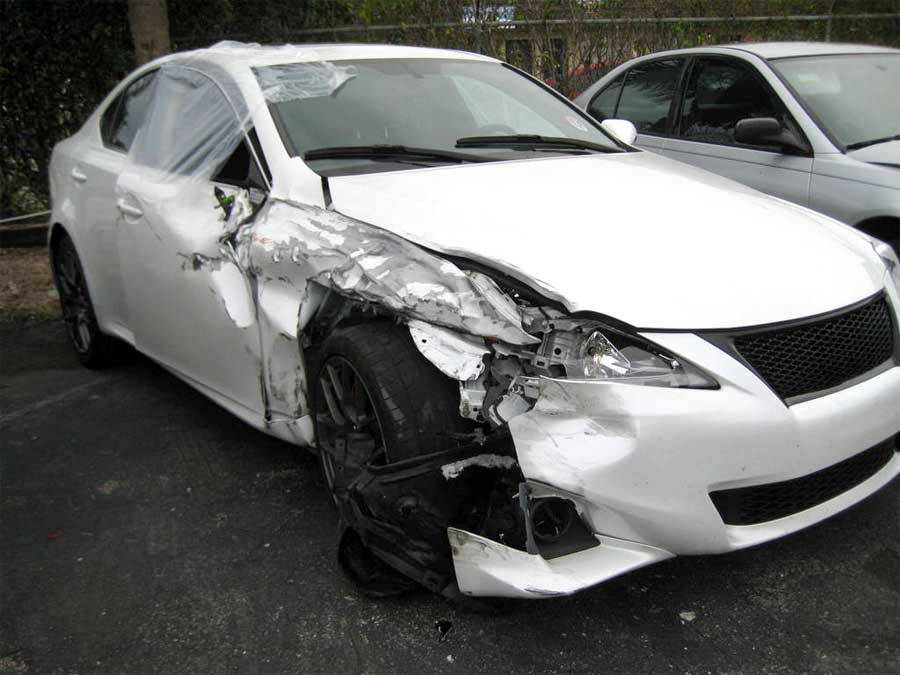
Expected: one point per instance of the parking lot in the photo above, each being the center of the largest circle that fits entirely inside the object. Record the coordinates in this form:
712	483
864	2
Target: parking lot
144	529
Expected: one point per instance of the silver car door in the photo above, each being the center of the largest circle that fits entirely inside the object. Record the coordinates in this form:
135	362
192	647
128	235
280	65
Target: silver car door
719	91
191	302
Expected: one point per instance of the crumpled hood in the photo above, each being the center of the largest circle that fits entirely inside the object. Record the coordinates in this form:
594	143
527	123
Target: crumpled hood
635	236
881	153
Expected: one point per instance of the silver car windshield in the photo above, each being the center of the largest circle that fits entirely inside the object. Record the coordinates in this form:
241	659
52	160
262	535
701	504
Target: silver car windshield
418	103
855	97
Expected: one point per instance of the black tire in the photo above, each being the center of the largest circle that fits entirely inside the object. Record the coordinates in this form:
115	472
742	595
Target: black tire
374	391
416	406
93	348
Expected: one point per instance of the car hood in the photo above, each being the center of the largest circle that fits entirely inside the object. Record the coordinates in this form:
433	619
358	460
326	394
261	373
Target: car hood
881	153
638	237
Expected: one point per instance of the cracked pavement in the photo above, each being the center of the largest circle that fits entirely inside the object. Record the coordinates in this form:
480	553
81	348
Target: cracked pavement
144	529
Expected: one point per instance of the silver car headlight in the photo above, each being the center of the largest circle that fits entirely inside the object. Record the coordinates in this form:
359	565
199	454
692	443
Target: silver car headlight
593	351
889	258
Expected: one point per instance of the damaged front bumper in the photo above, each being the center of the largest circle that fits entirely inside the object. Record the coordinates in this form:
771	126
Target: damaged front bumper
485	567
640	464
636	464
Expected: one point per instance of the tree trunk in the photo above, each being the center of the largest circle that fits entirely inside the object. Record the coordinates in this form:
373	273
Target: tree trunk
149	23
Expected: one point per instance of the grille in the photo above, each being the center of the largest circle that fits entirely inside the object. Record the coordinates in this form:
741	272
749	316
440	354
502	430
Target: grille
816	356
761	503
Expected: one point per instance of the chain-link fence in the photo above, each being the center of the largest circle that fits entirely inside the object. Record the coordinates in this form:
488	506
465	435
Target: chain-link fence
59	59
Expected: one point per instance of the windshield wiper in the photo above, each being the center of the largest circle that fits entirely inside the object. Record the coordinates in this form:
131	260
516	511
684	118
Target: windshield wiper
533	141
874	141
391	152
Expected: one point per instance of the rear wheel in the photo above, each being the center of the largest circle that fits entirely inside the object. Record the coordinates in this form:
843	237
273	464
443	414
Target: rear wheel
93	348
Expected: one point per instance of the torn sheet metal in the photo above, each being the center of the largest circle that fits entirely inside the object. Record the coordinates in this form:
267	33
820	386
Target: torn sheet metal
304	243
457	356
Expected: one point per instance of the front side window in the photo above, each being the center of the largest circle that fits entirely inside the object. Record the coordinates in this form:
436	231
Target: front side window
603	105
415	103
648	94
122	119
856	97
719	94
191	127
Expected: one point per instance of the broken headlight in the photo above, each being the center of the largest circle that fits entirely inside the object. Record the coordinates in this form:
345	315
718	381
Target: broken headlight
592	351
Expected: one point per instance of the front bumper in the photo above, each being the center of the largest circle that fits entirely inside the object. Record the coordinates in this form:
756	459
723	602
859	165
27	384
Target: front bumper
640	462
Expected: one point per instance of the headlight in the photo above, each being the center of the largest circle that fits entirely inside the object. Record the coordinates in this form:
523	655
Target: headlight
593	351
889	258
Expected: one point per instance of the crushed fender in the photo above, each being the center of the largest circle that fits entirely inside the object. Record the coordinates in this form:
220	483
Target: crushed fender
304	244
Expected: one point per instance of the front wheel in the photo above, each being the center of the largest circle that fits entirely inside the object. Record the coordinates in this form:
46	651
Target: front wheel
376	400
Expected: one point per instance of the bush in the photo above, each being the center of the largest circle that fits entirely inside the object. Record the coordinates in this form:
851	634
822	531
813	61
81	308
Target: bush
58	61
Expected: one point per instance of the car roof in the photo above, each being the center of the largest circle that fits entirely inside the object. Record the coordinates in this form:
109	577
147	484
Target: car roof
777	50
780	50
230	54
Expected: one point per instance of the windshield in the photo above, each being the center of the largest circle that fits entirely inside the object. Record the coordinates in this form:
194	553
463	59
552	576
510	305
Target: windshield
416	103
855	97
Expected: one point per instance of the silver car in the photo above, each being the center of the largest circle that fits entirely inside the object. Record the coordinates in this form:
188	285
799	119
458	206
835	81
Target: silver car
814	123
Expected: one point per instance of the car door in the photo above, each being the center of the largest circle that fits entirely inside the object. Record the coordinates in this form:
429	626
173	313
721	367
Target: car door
718	92
191	302
644	95
97	171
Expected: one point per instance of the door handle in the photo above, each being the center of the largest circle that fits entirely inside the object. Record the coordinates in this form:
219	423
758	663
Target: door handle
129	210
78	175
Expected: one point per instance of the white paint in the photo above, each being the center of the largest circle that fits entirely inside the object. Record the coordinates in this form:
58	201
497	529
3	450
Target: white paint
457	356
643	460
232	287
485	567
621	129
635	236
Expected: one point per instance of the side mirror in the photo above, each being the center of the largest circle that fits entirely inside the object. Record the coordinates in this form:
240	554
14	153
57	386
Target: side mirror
621	129
766	131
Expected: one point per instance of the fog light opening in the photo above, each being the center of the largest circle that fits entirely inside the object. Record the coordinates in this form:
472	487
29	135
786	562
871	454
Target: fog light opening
552	518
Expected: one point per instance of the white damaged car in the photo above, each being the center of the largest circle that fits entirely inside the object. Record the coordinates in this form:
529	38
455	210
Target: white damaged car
529	356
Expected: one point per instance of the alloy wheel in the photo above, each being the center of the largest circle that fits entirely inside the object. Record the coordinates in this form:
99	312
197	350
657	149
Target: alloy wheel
73	295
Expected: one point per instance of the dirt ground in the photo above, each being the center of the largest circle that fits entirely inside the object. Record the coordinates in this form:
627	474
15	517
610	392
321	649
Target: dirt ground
26	285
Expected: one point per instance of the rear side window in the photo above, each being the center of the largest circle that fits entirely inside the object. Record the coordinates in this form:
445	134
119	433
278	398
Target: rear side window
720	93
124	116
648	94
603	105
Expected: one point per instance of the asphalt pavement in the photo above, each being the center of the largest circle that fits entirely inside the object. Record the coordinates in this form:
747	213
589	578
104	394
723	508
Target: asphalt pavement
145	530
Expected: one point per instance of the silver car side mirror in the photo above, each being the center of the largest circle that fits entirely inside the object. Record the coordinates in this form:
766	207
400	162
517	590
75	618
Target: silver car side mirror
621	129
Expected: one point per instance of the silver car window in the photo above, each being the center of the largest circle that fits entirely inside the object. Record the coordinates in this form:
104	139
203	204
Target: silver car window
856	97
